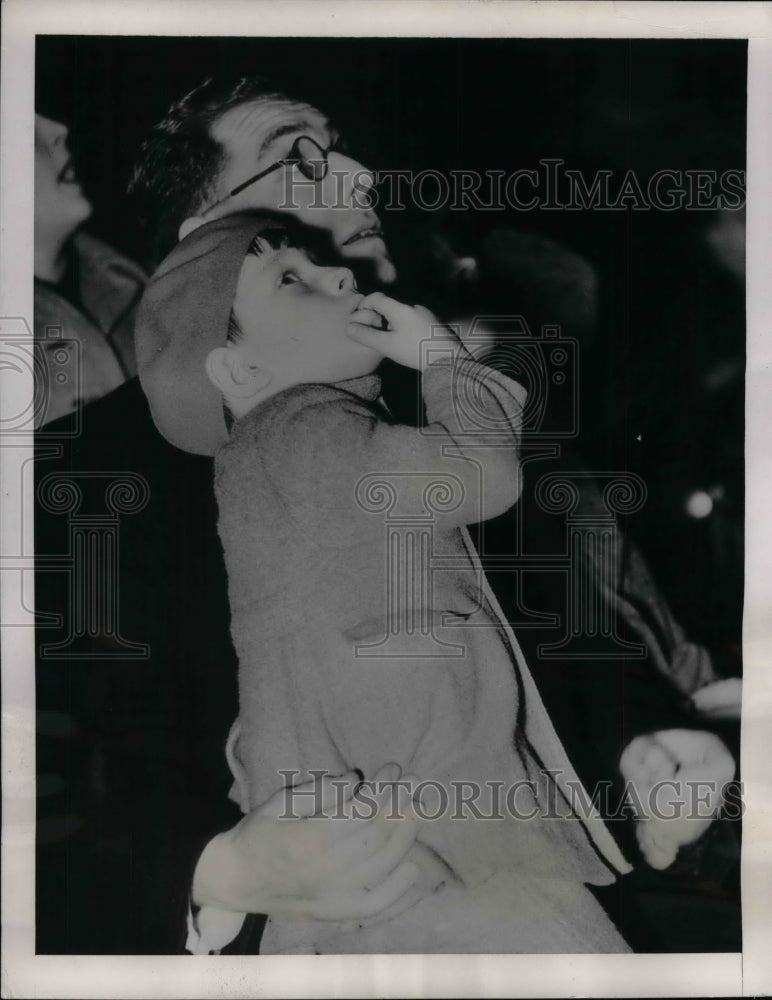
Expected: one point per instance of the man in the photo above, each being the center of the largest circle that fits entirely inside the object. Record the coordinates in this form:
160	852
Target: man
217	151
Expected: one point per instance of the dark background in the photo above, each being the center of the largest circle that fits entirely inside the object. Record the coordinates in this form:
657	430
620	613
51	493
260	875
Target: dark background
418	103
668	316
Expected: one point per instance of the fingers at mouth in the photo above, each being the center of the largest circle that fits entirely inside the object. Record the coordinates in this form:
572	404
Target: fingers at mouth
369	317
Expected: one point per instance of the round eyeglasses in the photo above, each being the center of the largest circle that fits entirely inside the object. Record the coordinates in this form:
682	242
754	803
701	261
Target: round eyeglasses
305	153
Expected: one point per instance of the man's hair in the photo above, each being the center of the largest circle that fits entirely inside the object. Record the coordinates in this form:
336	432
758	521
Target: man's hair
179	162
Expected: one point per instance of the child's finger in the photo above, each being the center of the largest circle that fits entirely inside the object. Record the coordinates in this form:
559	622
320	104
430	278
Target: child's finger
390	308
369	317
427	314
367	335
307	799
374	299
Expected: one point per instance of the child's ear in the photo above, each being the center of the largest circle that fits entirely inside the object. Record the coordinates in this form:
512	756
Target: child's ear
233	376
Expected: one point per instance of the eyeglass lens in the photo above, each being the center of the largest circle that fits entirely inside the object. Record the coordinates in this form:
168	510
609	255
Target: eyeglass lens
312	159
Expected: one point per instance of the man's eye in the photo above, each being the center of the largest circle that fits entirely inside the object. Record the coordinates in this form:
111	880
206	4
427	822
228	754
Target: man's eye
288	278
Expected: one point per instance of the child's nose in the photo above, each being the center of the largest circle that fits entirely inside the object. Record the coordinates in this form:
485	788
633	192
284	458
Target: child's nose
339	281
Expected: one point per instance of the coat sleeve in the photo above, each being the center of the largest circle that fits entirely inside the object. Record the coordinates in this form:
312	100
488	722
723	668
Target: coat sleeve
337	461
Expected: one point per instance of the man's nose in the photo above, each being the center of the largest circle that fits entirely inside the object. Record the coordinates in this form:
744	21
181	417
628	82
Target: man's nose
350	181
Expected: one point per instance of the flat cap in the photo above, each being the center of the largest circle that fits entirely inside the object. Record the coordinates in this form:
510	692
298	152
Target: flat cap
183	315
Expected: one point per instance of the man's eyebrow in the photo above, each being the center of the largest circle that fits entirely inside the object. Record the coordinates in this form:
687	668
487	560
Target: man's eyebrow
288	128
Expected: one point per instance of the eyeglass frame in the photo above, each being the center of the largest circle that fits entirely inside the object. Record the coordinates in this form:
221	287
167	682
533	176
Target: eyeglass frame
293	158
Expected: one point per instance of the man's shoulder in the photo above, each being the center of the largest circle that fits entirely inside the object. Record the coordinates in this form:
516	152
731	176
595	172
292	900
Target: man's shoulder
114	433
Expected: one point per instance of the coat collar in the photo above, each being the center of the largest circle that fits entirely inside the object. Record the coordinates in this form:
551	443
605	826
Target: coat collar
109	283
366	387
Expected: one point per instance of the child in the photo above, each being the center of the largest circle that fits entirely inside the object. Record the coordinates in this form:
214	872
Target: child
363	624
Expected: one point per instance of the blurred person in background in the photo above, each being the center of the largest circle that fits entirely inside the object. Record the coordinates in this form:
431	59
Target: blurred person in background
86	292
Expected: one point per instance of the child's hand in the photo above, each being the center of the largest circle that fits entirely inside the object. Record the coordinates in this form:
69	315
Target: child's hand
396	330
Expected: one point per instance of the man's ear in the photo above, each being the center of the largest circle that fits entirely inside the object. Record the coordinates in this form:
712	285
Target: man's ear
189	226
234	377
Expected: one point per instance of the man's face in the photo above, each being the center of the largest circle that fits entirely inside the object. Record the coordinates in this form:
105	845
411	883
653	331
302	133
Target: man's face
257	134
60	205
294	317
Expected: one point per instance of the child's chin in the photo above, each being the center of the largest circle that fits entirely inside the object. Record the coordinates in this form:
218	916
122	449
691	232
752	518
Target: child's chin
368	368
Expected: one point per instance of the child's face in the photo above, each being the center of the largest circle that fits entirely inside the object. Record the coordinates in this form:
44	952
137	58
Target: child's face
294	317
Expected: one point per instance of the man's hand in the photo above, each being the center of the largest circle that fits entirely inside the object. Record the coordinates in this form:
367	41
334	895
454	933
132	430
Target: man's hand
678	776
398	331
331	864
